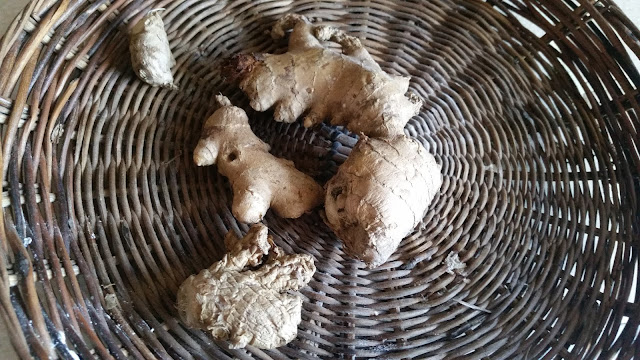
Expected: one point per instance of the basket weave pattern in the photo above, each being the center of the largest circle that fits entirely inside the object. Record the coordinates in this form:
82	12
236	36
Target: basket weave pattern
105	214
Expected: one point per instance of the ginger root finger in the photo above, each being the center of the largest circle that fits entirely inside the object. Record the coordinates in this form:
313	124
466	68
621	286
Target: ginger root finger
243	306
151	55
348	88
259	180
379	194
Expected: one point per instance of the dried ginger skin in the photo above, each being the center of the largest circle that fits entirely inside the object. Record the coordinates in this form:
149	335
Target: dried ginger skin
350	88
151	55
380	193
248	307
259	180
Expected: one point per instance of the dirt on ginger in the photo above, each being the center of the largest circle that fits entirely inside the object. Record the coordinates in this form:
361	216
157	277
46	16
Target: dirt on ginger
151	55
349	88
244	298
259	180
380	193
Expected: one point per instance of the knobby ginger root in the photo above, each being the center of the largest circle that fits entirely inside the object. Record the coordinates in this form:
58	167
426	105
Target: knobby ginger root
259	179
248	307
380	193
151	56
350	88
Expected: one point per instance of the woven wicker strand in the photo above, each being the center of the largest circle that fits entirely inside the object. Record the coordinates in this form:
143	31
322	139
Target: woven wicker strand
532	108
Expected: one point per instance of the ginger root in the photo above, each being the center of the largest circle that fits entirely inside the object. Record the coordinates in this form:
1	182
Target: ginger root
243	306
379	194
259	179
151	55
350	88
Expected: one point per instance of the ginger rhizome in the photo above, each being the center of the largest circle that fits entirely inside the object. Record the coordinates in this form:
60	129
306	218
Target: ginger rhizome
259	179
348	88
151	55
244	298
379	194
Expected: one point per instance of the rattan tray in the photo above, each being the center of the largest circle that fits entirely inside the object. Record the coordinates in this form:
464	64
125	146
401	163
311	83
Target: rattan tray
531	107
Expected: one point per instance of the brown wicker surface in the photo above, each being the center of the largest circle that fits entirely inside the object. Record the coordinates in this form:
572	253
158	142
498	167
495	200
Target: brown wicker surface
105	213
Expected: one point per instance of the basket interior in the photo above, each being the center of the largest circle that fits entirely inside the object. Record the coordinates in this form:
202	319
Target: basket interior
531	108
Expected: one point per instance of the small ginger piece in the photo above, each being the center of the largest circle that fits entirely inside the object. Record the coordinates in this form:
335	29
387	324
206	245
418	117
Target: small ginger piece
151	55
349	88
244	298
380	193
259	179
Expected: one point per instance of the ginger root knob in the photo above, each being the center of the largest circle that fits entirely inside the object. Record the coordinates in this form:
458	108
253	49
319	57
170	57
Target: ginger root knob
259	179
347	88
380	194
151	55
247	306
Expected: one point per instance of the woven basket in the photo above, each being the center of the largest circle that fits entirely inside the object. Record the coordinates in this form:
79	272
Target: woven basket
531	107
